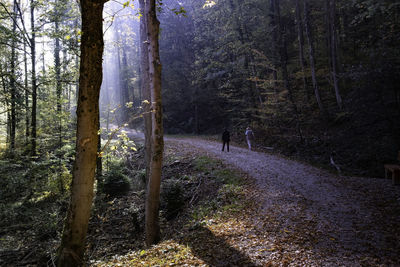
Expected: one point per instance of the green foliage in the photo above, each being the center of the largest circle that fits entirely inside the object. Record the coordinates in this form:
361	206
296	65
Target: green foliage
228	176
229	194
205	164
115	182
204	211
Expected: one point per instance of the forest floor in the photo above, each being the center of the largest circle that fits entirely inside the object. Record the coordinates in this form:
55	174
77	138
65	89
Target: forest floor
237	208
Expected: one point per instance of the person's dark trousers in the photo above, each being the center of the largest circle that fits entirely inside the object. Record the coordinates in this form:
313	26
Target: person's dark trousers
227	145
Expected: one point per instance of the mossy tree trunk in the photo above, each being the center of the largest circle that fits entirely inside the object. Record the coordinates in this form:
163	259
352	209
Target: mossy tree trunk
72	248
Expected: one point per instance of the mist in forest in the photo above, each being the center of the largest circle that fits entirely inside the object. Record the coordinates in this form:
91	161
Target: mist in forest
120	88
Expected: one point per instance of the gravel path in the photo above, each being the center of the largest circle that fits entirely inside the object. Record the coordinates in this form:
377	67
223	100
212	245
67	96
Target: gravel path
346	221
319	218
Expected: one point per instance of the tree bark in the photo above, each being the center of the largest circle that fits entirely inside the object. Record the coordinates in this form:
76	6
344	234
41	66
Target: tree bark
153	186
33	77
13	86
72	246
312	56
26	95
7	106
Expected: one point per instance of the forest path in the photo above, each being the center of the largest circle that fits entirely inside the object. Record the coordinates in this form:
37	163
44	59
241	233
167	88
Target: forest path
336	220
306	215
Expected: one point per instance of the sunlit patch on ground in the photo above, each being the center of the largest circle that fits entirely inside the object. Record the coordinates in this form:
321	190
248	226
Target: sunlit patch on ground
166	253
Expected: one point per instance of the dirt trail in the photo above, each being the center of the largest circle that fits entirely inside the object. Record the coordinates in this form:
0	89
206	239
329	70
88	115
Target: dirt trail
351	219
328	219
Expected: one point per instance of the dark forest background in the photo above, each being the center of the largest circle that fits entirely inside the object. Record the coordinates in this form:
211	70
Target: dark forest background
239	63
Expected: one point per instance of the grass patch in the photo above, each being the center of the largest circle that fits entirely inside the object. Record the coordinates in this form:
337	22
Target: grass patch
228	177
205	164
229	193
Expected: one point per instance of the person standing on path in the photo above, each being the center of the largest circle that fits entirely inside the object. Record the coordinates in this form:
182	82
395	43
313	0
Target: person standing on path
249	136
226	137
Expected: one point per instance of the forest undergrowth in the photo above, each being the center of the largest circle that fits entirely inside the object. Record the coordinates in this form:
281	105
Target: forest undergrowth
196	191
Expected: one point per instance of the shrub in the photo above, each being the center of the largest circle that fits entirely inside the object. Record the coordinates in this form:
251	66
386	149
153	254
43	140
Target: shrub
173	198
115	183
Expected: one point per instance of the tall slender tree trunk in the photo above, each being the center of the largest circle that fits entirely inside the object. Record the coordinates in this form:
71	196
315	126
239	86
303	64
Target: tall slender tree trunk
157	140
13	86
125	84
33	77
312	56
72	246
300	36
328	30
7	106
274	27
67	91
99	160
333	50
77	64
144	85
120	83
26	95
57	65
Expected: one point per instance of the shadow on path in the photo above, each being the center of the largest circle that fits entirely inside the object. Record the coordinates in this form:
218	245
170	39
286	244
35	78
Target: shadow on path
214	250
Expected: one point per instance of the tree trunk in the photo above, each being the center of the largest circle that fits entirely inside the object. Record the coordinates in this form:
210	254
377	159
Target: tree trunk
334	53
328	29
33	77
99	160
13	85
300	35
125	83
57	66
7	106
153	186
144	85
72	246
67	92
312	56
274	48
26	95
121	111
